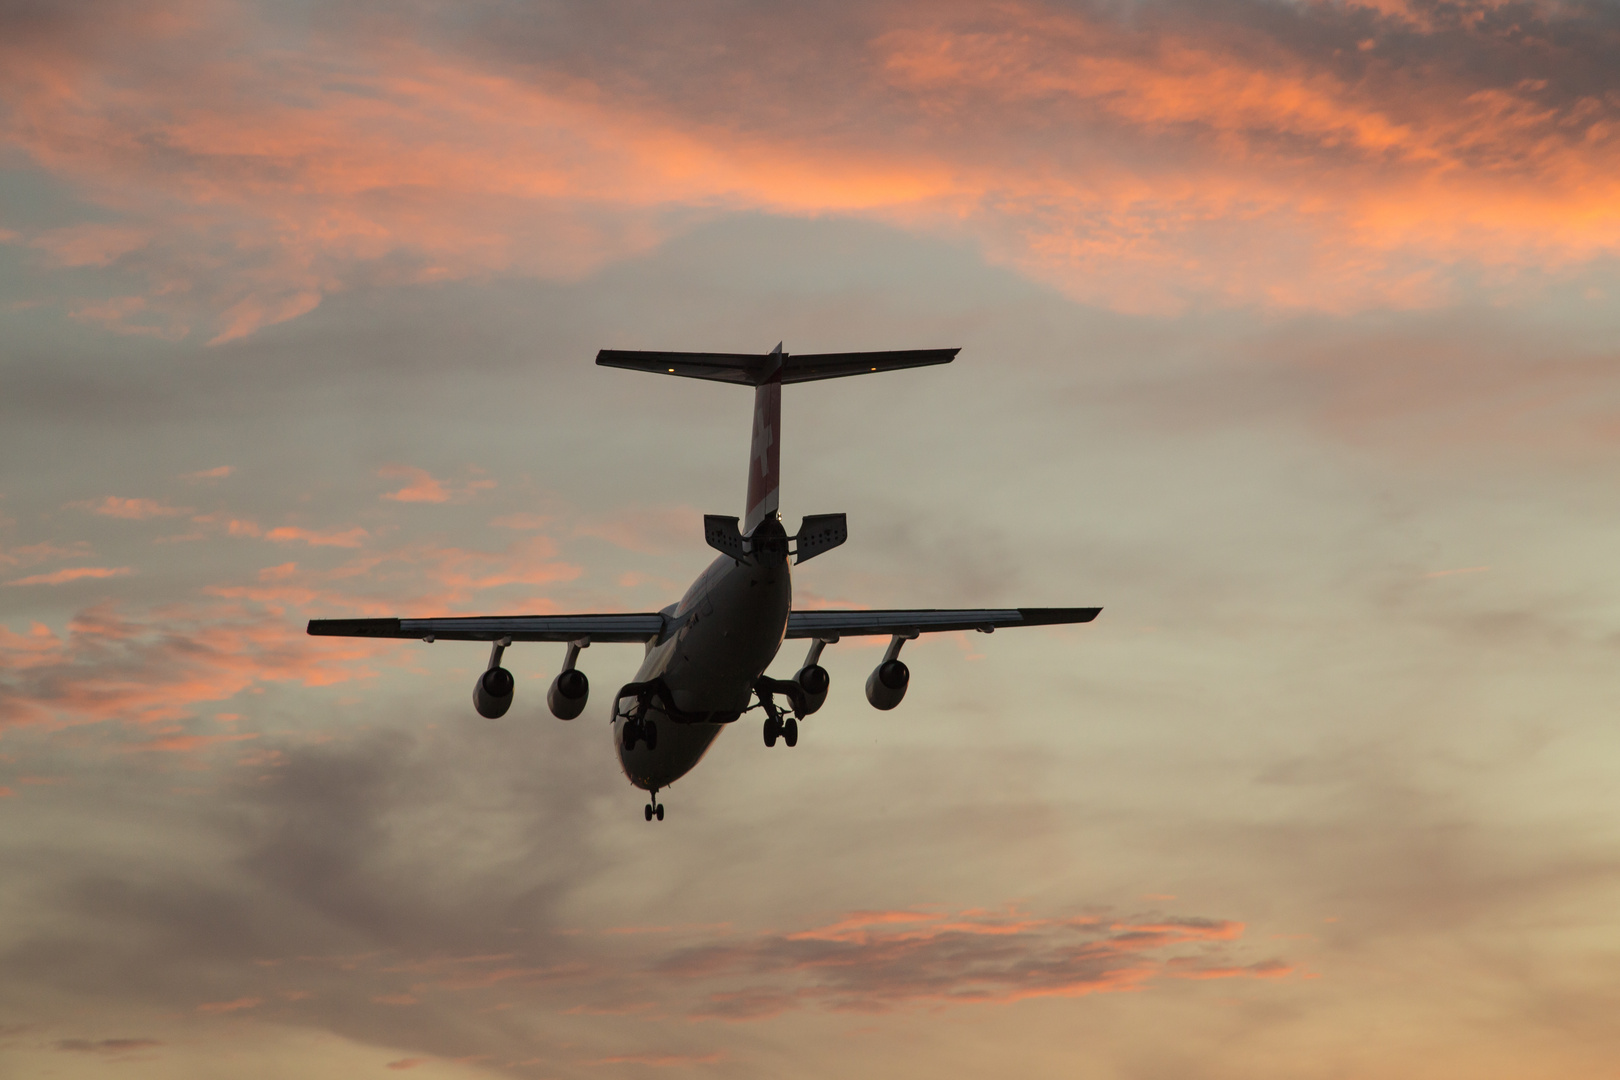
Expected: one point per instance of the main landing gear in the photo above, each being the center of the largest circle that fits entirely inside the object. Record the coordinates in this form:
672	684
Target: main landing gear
654	809
780	727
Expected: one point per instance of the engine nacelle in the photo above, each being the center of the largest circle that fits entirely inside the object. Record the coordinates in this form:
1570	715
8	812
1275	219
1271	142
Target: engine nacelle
568	693
887	684
813	680
492	693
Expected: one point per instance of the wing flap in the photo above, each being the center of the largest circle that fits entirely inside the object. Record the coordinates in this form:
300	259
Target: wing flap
834	624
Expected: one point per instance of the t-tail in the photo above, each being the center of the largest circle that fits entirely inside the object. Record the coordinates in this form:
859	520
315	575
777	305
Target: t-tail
765	449
767	373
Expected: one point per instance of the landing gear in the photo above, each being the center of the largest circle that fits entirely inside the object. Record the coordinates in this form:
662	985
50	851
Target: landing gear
653	809
637	730
784	728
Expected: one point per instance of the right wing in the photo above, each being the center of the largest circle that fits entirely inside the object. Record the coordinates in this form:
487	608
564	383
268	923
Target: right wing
638	627
831	625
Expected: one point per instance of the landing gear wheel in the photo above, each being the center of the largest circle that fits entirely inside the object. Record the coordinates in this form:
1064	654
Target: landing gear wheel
647	811
790	731
628	735
649	731
659	813
773	728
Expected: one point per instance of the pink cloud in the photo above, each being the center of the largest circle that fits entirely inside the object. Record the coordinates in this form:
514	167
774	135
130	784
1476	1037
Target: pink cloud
89	244
648	531
230	1006
407	1063
346	538
877	961
132	509
422	487
520	521
218	473
156	669
43	552
663	1061
1132	161
74	573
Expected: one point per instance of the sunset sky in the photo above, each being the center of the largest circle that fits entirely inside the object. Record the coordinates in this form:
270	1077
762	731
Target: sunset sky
1290	336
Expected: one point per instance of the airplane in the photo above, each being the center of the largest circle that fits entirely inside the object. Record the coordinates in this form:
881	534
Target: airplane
706	655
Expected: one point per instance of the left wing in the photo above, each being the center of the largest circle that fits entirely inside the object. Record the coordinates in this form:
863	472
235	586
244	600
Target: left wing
639	627
831	625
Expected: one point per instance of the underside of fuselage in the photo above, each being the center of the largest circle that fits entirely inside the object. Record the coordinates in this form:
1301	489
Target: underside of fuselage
729	627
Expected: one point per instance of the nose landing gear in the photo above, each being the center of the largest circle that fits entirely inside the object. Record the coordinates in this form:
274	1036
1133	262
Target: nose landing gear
654	809
638	730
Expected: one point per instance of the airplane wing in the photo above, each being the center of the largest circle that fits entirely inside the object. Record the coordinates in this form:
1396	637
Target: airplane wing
645	626
638	627
831	625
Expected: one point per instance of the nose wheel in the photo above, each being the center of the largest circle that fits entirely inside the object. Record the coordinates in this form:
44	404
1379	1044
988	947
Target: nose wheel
653	809
636	730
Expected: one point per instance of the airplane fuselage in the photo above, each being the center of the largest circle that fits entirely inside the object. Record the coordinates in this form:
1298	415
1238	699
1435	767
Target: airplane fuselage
729	627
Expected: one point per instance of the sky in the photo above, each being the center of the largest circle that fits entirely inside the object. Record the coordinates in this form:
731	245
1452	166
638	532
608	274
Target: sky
1289	338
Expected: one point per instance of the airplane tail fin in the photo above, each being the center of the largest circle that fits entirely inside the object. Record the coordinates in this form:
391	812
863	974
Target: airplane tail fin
767	374
764	448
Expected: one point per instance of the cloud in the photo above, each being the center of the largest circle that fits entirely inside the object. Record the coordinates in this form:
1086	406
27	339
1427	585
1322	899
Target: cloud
407	1063
73	573
105	1046
422	488
89	244
237	1005
876	961
219	472
156	669
1142	159
646	530
132	509
346	538
663	1061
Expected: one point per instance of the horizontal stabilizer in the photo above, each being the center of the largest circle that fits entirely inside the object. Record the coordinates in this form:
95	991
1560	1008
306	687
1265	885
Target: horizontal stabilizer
721	533
818	533
753	369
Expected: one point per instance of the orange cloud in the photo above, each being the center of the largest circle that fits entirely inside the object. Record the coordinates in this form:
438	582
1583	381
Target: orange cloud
347	538
132	509
230	1006
422	488
75	573
647	531
663	1061
156	670
1137	162
876	961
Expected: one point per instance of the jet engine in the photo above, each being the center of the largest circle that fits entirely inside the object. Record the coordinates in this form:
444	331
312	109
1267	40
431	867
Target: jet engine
568	692
570	688
492	693
813	680
887	684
